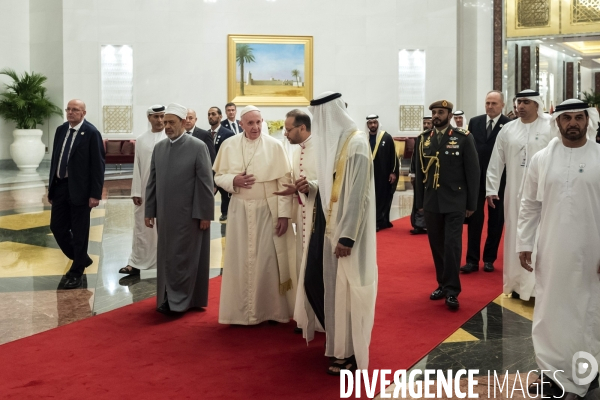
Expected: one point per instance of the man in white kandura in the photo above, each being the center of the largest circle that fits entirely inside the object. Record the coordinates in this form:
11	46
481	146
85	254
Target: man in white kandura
143	247
516	143
560	200
259	265
340	283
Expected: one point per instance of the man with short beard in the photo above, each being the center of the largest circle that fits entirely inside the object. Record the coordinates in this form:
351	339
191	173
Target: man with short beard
515	144
417	219
385	168
560	201
143	248
447	182
179	196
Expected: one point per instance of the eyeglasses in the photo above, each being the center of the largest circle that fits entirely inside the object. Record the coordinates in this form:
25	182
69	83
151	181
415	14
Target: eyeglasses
297	126
75	110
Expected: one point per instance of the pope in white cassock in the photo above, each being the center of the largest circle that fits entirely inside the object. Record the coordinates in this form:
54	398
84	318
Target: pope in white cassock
561	196
340	283
259	266
143	248
516	143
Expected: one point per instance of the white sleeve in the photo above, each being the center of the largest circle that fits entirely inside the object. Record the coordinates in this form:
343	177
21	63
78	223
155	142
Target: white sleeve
530	210
136	181
496	166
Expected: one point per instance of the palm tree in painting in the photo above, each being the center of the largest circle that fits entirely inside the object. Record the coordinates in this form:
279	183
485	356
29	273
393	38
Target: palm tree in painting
243	55
296	74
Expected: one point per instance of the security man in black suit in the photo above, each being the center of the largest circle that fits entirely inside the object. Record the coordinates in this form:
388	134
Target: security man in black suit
484	129
447	183
189	124
75	187
219	134
230	122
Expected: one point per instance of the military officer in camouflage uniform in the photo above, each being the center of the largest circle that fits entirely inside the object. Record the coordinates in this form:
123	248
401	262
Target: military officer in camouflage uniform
447	183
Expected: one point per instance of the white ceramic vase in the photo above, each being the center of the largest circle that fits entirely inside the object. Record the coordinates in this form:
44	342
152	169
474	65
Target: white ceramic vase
27	150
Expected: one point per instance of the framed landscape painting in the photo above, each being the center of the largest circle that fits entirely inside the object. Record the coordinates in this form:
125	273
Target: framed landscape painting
270	70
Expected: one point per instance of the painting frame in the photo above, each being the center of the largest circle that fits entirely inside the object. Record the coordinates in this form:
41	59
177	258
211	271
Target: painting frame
269	100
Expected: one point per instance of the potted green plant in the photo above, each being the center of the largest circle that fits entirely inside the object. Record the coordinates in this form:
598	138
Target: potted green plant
25	103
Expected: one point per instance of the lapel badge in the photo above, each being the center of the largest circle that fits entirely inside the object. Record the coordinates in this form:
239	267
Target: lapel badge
383	143
82	133
501	125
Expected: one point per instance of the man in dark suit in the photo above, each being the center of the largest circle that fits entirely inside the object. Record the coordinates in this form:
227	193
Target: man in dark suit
75	187
484	129
189	124
447	183
219	134
231	123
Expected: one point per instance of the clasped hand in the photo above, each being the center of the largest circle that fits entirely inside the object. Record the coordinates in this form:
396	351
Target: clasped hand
244	181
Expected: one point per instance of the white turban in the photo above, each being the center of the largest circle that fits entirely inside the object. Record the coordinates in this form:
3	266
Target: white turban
331	124
177	109
247	109
155	109
370	117
459	113
533	96
575	105
546	155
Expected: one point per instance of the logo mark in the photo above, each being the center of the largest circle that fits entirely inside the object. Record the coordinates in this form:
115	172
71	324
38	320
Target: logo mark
584	364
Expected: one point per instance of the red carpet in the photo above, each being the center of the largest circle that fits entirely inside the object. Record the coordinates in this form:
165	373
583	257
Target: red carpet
134	352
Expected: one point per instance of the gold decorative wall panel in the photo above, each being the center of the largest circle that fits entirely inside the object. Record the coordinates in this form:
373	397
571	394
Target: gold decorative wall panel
585	11
117	119
531	18
580	16
533	13
411	118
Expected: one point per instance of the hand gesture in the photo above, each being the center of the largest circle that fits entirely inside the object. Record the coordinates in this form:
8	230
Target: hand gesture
392	178
342	251
302	185
244	180
137	201
93	202
149	222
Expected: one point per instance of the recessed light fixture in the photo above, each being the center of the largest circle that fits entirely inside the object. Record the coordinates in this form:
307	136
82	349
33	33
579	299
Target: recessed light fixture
551	45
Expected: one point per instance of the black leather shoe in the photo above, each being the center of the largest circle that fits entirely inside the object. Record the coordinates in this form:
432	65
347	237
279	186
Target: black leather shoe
223	217
452	302
515	295
488	267
164	308
73	282
468	268
418	231
298	330
437	294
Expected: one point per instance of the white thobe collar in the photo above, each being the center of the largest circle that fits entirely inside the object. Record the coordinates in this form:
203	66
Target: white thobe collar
180	136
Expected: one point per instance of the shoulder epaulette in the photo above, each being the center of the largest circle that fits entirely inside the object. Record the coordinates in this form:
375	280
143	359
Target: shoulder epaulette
462	131
426	132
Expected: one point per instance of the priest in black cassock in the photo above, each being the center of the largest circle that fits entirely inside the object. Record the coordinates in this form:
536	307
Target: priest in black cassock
179	195
386	169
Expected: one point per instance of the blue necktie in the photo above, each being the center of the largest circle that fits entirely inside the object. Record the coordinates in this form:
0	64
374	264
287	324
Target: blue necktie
62	169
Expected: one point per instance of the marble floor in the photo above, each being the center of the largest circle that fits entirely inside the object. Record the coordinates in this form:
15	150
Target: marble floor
32	271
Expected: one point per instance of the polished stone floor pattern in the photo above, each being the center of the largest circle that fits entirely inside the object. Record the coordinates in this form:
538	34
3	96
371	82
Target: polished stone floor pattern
32	271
